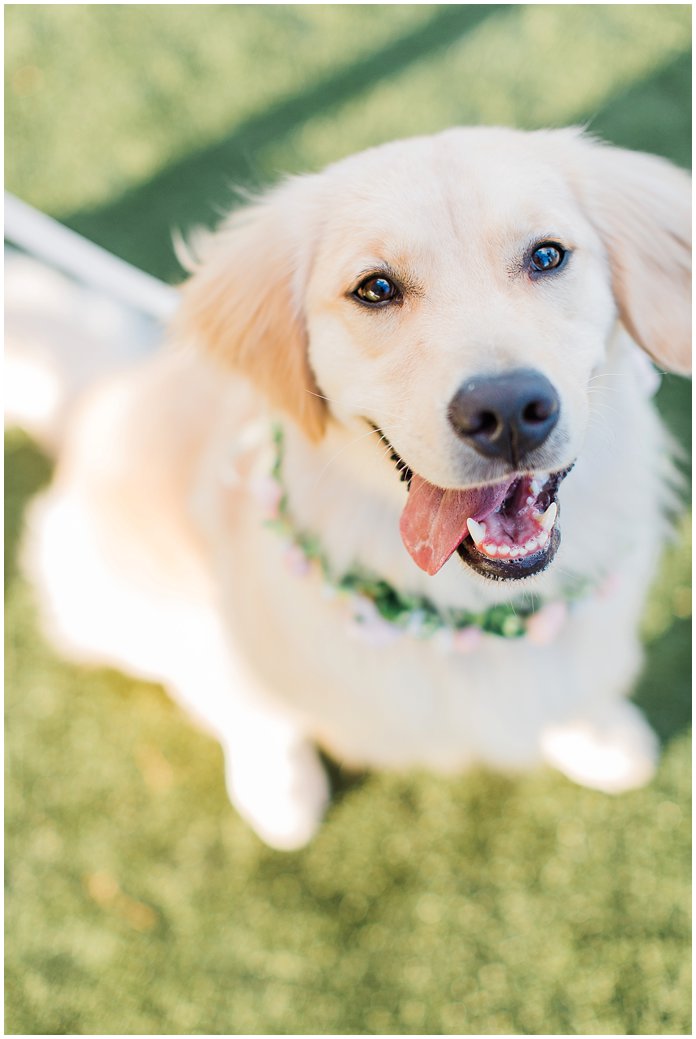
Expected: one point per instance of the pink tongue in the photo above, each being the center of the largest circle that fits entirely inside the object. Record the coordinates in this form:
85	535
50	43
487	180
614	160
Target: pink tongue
433	522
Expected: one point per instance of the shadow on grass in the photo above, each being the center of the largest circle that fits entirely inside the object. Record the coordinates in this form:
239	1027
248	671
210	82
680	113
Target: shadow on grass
674	402
138	225
653	115
664	688
27	470
342	779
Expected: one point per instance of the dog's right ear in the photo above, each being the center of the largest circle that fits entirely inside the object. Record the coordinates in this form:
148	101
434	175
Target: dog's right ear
244	301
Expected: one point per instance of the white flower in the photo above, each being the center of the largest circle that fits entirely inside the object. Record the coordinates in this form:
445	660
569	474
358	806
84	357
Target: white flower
443	640
415	622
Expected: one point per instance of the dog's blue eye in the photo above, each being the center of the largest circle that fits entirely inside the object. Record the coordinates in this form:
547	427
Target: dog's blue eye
376	289
547	256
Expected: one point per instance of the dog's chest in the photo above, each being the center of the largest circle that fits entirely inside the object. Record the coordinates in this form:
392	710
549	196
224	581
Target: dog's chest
382	699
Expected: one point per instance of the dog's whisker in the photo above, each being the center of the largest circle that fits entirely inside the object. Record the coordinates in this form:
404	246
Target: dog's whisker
610	375
598	406
605	410
343	449
604	389
366	409
599	422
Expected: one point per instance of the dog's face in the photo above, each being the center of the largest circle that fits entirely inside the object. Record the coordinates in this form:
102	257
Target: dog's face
463	315
458	293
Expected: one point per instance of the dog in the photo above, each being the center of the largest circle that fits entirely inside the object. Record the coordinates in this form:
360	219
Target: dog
397	487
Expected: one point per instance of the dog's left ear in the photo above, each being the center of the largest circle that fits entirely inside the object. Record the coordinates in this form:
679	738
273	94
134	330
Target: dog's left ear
641	207
244	301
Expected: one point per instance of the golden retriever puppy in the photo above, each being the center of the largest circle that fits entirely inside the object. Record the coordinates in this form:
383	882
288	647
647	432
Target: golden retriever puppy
398	488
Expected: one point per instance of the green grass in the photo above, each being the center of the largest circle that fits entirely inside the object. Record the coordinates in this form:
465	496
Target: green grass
138	902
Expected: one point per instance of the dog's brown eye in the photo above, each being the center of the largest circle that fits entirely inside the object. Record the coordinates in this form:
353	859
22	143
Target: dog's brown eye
547	256
376	289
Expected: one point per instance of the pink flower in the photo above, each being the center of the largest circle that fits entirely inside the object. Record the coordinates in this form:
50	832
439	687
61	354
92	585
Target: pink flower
544	626
609	586
368	625
467	640
268	494
296	561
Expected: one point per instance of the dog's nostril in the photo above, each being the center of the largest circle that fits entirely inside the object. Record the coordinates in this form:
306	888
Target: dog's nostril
538	411
485	423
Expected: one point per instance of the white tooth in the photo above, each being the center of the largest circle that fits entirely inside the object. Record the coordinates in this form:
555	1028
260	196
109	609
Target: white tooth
543	538
491	549
503	550
532	543
549	517
535	487
515	551
477	530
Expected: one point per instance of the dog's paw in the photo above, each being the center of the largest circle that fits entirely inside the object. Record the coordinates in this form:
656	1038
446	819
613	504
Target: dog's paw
282	795
613	751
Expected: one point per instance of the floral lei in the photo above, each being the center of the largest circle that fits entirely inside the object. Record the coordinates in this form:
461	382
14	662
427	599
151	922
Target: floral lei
380	613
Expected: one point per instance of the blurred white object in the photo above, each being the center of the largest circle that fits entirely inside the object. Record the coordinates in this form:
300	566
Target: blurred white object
60	247
66	327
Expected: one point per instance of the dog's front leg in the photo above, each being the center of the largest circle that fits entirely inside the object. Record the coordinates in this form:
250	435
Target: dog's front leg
274	779
273	774
612	748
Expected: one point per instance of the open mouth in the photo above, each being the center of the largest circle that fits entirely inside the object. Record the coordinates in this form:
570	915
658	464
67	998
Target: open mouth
504	531
521	537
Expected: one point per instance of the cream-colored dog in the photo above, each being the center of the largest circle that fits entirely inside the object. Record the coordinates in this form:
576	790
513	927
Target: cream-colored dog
398	488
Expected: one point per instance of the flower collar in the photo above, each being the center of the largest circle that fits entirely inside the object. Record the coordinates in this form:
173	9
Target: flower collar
380	613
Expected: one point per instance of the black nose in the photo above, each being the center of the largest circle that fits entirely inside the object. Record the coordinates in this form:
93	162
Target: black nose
505	416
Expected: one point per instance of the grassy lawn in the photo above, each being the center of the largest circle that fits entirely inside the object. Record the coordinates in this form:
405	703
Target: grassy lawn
138	902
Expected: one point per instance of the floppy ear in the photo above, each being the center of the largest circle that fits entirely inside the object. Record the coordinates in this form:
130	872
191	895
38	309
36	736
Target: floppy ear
641	207
243	303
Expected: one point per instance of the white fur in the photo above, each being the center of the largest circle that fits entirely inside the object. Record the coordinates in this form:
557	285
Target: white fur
60	338
150	550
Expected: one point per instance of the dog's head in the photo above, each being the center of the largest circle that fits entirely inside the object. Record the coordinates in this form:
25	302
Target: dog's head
457	293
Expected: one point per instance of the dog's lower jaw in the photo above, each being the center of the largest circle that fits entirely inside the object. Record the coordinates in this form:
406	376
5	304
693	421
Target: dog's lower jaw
502	570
